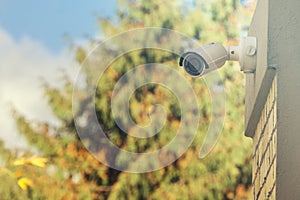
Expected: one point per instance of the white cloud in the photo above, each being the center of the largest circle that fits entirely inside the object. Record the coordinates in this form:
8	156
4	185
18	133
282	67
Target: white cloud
22	65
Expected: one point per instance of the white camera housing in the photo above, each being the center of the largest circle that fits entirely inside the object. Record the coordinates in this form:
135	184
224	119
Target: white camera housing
212	56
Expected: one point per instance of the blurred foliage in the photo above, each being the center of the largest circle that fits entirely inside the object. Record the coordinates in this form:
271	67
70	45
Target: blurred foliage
64	169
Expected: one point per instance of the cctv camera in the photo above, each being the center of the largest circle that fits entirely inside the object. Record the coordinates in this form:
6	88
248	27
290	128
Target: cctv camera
212	56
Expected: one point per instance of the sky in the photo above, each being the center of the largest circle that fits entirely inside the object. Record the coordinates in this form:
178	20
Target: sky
32	49
49	21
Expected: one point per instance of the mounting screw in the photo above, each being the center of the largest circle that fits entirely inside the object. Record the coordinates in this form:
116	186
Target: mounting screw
251	50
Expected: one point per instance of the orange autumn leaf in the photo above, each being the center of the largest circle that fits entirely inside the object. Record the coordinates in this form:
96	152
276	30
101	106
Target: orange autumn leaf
19	173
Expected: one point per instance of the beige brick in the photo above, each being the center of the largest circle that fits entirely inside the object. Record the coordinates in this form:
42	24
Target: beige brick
257	188
274	168
270	182
265	167
265	139
275	141
271	120
273	195
275	112
264	172
271	148
272	96
268	156
263	193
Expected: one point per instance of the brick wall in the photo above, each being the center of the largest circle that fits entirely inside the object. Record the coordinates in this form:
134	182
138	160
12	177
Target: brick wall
264	149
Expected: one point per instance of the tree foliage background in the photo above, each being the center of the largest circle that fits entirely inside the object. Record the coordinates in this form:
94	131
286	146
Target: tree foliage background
59	167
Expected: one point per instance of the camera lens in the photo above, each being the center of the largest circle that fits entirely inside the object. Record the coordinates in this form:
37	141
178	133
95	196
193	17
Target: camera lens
194	64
